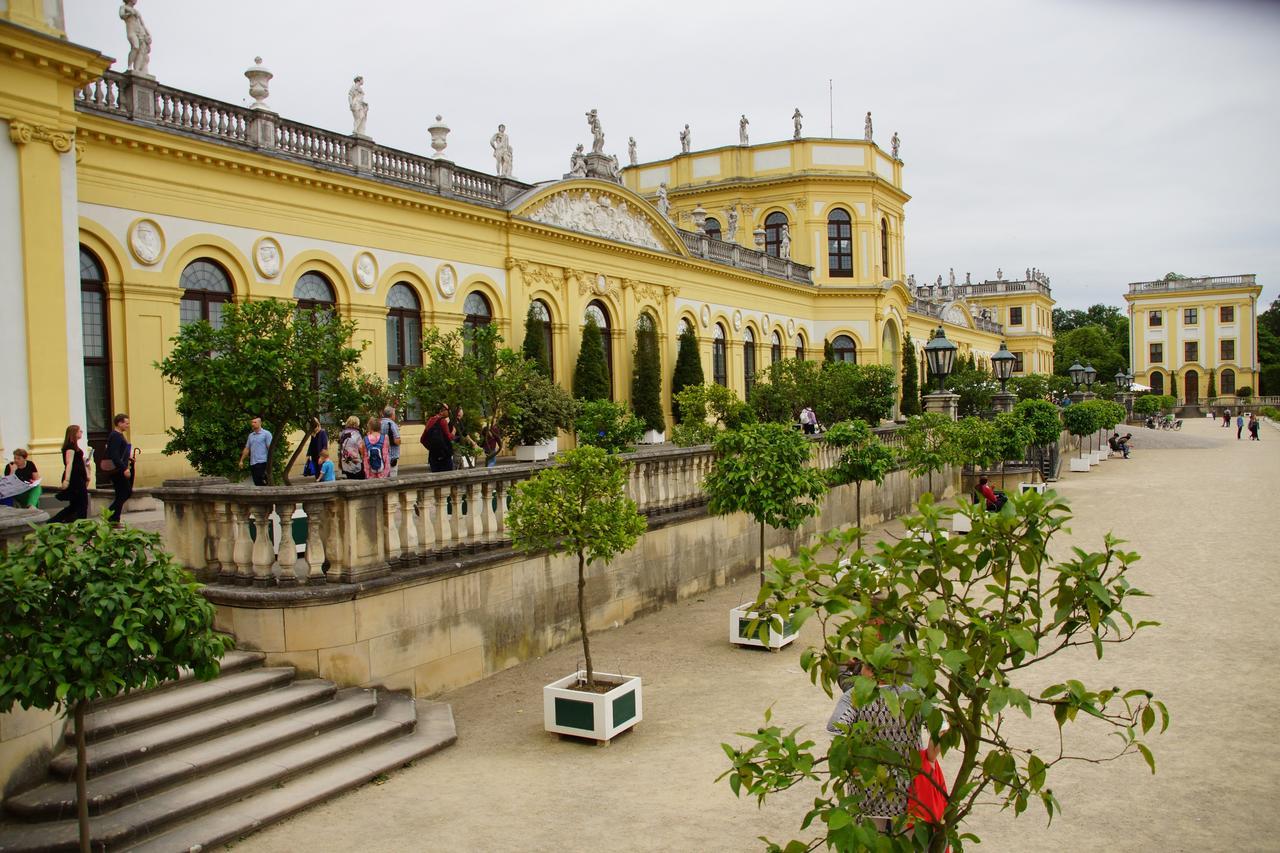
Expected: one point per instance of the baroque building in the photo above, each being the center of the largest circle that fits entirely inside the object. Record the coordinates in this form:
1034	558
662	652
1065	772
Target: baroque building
131	208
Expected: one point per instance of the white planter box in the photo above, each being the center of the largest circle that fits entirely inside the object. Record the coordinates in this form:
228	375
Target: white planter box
537	452
1033	487
740	618
1079	464
652	436
1100	455
599	716
961	523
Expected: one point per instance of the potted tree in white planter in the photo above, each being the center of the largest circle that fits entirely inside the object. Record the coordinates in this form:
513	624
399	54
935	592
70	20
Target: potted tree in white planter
863	458
1043	420
579	507
1080	419
763	470
539	409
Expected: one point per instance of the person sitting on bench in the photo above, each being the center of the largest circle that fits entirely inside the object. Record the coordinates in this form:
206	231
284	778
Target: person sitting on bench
1114	442
995	499
1124	444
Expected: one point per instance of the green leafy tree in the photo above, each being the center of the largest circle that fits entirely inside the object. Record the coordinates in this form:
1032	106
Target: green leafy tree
688	369
910	379
89	610
591	375
1148	404
269	360
786	388
1173	387
1213	383
862	391
1244	392
1081	419
828	353
960	634
928	444
975	442
1268	327
706	410
977	388
646	379
863	458
539	409
1037	386
763	470
608	425
1011	437
1091	344
535	341
1043	420
577	507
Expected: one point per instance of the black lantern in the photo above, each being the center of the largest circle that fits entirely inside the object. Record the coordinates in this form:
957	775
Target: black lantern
1002	365
941	355
1077	374
1089	375
1121	381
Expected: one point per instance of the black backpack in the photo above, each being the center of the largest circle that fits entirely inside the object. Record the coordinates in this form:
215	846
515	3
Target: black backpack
436	442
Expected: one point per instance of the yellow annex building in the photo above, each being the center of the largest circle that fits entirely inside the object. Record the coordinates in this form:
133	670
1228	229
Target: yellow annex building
1185	330
131	207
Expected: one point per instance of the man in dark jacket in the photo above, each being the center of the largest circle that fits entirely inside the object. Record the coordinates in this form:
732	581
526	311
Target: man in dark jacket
437	438
120	454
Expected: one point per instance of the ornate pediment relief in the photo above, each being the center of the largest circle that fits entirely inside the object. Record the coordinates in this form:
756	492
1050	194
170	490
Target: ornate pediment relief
955	313
600	214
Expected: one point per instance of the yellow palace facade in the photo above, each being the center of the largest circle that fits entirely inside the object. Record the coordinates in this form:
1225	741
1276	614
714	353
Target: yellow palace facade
130	207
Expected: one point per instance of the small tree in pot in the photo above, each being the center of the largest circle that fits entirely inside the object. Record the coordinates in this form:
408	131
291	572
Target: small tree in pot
928	444
1042	418
539	409
1010	437
608	425
1080	420
863	458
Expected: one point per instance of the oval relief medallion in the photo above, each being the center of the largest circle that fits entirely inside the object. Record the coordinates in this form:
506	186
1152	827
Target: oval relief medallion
737	321
706	316
146	241
791	328
602	285
446	281
365	269
268	257
764	323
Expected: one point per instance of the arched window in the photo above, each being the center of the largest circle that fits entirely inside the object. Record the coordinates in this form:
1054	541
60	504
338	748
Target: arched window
477	310
884	245
404	331
206	287
748	359
1228	381
314	292
719	365
845	349
600	313
542	313
800	347
1157	383
775	349
97	351
773	225
712	228
839	244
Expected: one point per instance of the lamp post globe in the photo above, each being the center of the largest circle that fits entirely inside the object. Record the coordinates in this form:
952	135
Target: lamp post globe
941	355
1002	365
1077	374
1089	375
1120	380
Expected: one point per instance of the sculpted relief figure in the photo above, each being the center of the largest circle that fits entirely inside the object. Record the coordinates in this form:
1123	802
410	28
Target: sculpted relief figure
139	38
784	243
631	150
578	163
796	118
684	140
732	215
359	108
501	146
742	130
663	203
597	133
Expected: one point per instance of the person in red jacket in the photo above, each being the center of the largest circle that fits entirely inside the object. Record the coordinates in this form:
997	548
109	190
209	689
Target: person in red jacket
995	500
438	437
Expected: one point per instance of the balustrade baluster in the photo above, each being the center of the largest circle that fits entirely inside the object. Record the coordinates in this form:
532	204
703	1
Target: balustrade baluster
242	552
439	521
263	558
335	516
422	522
287	556
315	511
409	526
500	512
486	511
471	526
224	541
212	565
391	501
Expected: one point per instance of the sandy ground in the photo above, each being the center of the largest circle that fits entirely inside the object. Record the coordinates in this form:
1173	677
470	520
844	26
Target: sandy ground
1199	506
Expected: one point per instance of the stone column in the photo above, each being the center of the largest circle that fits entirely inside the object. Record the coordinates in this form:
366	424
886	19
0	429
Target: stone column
944	402
1004	401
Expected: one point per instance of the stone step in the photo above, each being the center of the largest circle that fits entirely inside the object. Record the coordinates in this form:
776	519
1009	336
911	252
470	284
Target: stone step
57	800
151	708
435	731
233	661
376	742
135	747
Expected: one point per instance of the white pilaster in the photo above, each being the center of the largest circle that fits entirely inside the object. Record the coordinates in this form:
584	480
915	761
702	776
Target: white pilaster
15	396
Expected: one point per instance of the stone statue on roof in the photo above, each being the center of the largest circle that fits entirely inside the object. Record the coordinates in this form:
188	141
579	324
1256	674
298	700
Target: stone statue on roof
359	107
742	130
597	132
894	143
796	118
139	38
866	127
631	150
684	140
502	153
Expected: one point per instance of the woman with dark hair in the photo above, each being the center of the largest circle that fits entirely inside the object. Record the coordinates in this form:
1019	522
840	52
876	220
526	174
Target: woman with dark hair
75	478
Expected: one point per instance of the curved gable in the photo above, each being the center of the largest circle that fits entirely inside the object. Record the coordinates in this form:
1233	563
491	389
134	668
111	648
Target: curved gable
957	313
602	210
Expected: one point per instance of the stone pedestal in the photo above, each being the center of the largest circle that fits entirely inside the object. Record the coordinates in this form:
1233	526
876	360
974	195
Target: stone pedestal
139	96
944	402
600	166
1004	401
262	129
360	154
1079	396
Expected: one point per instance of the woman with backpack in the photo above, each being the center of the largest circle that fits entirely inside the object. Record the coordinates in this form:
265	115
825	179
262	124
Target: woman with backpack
351	450
377	454
438	438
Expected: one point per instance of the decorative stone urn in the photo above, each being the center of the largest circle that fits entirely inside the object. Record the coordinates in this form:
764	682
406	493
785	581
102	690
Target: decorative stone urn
259	78
439	136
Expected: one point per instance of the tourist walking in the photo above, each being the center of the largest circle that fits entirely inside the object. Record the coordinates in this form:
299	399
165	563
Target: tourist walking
75	479
326	472
391	431
257	447
351	450
120	464
25	470
1226	417
808	420
377	459
438	438
319	443
1239	425
491	442
1255	426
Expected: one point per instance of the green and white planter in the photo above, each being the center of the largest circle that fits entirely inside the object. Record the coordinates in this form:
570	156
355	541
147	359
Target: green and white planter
539	452
598	716
740	619
1033	487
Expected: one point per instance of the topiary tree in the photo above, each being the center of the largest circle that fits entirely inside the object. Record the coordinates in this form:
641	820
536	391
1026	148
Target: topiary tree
534	347
1147	404
928	444
538	410
646	378
89	610
862	391
1173	387
1010	437
578	507
763	470
828	353
707	409
1080	419
1244	392
1213	384
910	379
688	370
591	375
1043	420
959	633
608	425
863	458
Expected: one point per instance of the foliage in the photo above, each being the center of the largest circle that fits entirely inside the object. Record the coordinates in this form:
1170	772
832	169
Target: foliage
89	610
1111	319
1090	345
1038	386
1012	436
1109	413
578	507
646	379
267	359
373	395
863	391
688	369
863	458
539	409
591	375
763	470
1147	404
535	342
608	425
957	632
1270	412
787	387
910	379
1081	419
1042	418
706	409
977	388
1173	386
828	353
928	444
1268	327
1244	392
1213	384
975	442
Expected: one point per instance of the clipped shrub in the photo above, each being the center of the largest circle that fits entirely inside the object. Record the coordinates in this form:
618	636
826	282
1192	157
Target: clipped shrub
608	425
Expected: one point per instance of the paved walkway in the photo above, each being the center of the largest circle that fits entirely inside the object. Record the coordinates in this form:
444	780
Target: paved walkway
1201	509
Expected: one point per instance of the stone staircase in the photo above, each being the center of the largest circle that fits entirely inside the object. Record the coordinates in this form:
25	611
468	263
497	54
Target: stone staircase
192	764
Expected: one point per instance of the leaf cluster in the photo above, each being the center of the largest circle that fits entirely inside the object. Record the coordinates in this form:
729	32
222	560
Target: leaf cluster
928	443
1037	386
863	456
1042	418
705	410
608	425
764	470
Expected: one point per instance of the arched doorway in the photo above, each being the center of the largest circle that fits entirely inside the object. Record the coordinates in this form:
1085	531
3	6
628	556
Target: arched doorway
1191	387
1157	383
891	356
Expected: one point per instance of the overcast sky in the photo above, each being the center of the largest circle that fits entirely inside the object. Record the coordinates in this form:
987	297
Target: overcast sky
1103	142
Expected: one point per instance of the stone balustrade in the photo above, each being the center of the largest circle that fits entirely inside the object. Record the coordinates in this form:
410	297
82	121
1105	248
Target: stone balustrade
740	257
15	524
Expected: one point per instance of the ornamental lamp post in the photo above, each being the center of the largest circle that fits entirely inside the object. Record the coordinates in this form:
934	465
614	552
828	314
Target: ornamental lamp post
1089	376
941	356
1002	365
1076	372
1120	380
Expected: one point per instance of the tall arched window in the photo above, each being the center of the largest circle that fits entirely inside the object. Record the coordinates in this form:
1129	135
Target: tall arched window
845	349
712	228
206	287
748	359
542	313
404	331
884	246
97	351
773	225
1228	381
477	310
839	244
775	349
600	313
719	360
800	347
314	292
1157	382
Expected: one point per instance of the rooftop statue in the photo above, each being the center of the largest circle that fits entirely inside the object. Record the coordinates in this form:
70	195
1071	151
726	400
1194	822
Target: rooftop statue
796	118
999	274
578	163
742	130
359	107
501	146
139	38
631	150
866	127
894	144
597	133
684	140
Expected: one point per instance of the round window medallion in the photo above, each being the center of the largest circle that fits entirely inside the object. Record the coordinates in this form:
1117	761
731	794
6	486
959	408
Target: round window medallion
365	270
267	257
146	241
706	315
446	281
